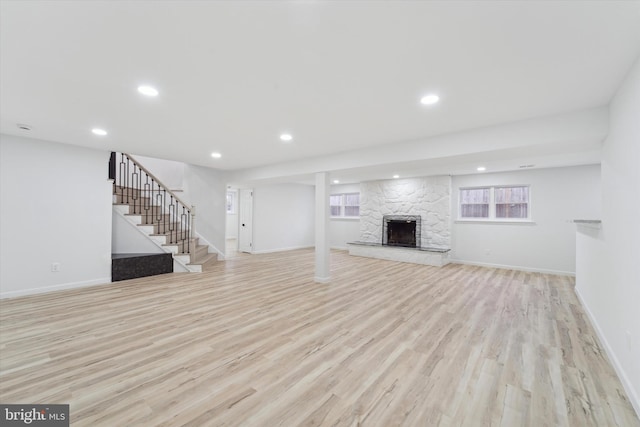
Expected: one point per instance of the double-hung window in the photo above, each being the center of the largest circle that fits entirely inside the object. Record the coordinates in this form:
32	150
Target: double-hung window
474	202
345	205
497	203
512	202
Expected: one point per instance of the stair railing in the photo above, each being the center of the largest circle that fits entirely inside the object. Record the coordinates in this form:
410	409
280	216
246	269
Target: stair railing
135	186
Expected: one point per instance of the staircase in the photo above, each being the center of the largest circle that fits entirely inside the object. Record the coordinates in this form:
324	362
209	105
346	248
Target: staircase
157	212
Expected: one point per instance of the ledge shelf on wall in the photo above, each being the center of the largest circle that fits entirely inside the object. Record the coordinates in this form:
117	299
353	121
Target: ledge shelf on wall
589	223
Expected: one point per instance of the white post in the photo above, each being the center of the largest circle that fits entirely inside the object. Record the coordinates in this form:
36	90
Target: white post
192	232
323	269
192	235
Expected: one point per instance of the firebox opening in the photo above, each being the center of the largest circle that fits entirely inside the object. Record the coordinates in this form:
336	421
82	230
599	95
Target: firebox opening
401	230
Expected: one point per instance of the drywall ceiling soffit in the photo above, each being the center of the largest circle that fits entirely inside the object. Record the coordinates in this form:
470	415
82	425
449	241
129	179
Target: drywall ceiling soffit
573	138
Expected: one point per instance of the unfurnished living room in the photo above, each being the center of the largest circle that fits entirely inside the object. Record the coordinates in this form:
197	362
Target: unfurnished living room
331	213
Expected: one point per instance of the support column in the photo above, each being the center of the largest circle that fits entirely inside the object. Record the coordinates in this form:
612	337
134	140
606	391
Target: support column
323	269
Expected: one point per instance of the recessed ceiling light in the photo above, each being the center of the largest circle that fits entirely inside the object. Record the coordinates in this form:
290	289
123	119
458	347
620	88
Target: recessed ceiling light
429	99
396	176
336	181
481	169
148	90
99	132
216	155
286	137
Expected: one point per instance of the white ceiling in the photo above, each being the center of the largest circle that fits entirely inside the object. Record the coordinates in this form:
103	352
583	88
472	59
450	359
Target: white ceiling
339	76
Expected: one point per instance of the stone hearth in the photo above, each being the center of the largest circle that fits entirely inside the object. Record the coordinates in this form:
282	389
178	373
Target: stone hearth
427	256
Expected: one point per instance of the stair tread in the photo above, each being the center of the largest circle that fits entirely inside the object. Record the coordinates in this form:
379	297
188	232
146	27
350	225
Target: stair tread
200	251
199	247
141	215
204	259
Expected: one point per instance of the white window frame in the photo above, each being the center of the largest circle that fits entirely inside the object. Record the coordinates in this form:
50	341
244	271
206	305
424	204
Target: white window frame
234	202
342	206
492	206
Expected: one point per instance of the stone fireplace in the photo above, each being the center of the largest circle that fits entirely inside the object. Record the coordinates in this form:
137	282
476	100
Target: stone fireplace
401	230
406	220
426	199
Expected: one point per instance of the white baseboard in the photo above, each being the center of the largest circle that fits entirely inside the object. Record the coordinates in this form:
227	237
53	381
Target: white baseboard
628	387
514	267
52	288
269	251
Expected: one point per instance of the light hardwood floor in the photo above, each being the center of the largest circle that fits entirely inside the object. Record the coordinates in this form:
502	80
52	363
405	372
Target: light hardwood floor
254	342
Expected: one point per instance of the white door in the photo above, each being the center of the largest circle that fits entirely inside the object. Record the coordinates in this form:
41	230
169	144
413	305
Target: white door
245	221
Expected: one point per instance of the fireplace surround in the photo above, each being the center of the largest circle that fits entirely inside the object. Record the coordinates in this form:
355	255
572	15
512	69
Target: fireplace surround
428	197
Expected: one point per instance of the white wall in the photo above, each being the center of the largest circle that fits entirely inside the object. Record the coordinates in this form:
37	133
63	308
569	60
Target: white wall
283	217
170	173
558	196
55	204
206	189
126	239
608	269
343	230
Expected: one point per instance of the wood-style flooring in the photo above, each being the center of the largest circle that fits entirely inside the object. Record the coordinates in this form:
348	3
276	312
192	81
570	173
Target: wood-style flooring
254	341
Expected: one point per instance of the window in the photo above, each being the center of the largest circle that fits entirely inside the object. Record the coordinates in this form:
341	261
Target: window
352	204
512	202
495	203
345	205
474	202
231	202
335	201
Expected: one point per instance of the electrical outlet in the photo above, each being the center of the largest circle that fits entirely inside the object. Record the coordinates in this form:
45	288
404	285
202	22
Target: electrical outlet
55	267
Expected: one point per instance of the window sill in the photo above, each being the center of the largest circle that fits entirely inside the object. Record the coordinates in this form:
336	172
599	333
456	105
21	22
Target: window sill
348	218
496	221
